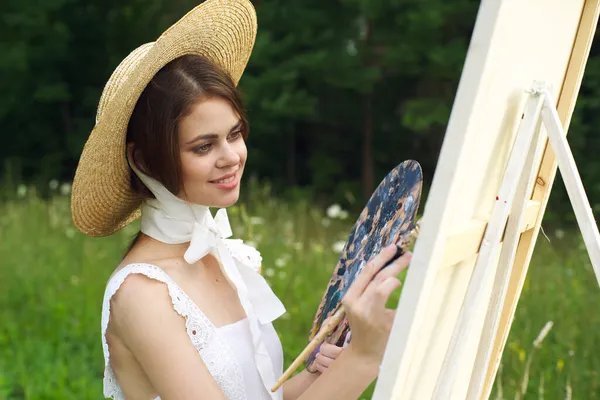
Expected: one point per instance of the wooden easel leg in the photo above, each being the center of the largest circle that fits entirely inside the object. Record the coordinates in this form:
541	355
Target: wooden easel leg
585	219
482	274
504	270
572	180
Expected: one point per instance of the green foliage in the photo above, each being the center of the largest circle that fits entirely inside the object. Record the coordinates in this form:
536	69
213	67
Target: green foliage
319	73
52	280
313	64
55	57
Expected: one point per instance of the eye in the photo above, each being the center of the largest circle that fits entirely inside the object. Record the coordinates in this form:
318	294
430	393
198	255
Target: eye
235	135
203	148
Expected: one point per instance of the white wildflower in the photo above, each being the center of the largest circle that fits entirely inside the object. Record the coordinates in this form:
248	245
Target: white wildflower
270	272
338	246
65	189
334	210
326	222
343	214
250	243
53	184
22	191
559	233
257	220
351	48
298	246
280	262
282	275
543	333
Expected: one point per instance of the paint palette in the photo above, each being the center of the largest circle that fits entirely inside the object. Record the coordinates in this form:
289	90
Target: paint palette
388	216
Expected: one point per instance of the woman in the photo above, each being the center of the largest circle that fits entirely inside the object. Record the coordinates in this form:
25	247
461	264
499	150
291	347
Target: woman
186	314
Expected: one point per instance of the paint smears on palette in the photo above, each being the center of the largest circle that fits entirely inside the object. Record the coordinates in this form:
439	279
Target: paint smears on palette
388	216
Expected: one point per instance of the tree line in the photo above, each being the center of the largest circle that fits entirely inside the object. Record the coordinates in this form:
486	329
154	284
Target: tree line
338	92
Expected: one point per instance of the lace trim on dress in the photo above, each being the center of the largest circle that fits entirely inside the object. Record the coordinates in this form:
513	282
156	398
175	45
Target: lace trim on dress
215	352
244	253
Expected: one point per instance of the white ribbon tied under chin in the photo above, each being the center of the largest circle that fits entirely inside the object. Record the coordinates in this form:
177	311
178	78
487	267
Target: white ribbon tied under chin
208	235
255	294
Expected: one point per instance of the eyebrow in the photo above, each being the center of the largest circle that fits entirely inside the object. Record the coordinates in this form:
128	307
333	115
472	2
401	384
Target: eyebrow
214	135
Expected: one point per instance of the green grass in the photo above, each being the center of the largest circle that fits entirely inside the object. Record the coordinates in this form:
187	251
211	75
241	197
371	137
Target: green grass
52	281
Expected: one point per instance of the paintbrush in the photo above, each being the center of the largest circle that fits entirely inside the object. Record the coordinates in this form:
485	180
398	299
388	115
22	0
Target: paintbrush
332	322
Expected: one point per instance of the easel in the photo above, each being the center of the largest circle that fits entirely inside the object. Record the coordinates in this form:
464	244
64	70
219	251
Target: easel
512	199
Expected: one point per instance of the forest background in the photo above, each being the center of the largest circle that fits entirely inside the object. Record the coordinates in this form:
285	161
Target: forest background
337	92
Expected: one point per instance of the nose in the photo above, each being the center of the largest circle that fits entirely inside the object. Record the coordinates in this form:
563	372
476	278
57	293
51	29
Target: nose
228	157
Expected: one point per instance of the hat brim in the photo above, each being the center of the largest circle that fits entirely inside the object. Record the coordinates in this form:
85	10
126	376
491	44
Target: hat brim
102	200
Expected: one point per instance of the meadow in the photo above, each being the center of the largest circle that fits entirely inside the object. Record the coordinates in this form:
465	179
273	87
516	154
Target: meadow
52	281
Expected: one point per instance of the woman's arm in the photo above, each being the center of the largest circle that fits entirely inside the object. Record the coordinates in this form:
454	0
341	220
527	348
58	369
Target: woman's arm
294	387
297	384
146	322
345	379
354	371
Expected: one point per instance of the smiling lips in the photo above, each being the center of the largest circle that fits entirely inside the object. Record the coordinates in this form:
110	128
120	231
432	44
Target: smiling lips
229	181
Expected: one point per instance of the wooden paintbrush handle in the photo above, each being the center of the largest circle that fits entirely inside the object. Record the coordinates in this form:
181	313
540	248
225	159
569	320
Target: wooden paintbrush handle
328	327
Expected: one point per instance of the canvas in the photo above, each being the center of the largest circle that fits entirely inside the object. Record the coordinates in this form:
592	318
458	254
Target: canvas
514	43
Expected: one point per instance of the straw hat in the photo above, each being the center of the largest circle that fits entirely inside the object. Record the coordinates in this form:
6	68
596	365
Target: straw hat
102	200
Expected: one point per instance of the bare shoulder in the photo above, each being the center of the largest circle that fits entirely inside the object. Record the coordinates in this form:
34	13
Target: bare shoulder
141	302
148	325
138	287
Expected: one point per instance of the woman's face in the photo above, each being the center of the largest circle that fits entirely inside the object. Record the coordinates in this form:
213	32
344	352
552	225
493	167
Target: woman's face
213	154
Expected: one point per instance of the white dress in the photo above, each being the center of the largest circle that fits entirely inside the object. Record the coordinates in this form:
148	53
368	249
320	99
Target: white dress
227	351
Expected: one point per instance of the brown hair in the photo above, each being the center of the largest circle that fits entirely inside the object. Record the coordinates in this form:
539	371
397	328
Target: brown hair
165	101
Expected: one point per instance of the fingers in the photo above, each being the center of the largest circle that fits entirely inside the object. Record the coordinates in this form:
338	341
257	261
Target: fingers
364	278
330	350
320	368
323	360
379	290
382	292
326	356
393	269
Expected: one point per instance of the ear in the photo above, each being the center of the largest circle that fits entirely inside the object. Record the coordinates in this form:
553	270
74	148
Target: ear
134	158
130	153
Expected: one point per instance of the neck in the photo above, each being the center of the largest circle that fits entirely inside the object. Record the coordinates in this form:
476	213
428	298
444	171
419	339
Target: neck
148	249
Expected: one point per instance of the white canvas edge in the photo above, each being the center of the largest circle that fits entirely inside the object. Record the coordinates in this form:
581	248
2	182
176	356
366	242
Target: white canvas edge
430	246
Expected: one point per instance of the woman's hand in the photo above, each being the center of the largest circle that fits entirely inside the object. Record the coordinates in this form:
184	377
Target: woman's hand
370	321
326	355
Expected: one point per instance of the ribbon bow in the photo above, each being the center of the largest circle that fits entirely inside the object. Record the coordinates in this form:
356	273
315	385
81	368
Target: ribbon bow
207	235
